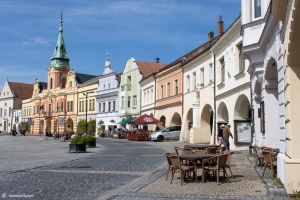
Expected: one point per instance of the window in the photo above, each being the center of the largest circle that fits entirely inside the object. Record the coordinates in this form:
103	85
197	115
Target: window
148	100
79	106
257	8
103	87
70	105
262	117
103	109
109	103
99	107
194	80
70	84
123	102
188	83
49	110
5	111
51	83
129	80
151	95
0	112
63	83
128	103
176	87
61	106
93	104
222	75
240	59
211	73
145	98
114	106
9	111
168	89
109	86
134	101
90	104
161	91
202	76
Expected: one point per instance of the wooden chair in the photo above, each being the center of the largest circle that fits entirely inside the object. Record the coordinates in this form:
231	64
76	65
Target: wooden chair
269	161
258	157
221	164
229	154
222	149
211	150
170	166
184	169
199	152
184	150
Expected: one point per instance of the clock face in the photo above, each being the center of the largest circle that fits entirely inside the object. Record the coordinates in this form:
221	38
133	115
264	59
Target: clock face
51	70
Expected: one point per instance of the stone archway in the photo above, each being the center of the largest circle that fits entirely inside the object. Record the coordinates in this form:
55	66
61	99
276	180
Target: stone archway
48	125
206	121
242	108
188	124
69	124
222	113
163	120
176	119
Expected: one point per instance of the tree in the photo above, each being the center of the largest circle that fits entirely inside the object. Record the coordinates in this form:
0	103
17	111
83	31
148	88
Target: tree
82	125
92	124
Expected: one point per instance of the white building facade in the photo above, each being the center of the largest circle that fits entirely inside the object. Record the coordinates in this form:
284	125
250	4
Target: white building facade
107	98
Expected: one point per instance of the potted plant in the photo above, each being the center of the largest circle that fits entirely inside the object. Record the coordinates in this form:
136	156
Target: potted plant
77	144
90	141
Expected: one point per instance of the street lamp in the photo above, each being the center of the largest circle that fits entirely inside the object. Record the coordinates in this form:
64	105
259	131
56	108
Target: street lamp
86	96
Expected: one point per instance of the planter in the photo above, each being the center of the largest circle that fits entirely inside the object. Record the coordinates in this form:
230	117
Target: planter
77	148
91	144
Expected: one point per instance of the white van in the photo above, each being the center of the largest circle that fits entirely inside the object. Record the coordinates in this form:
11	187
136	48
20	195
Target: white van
167	133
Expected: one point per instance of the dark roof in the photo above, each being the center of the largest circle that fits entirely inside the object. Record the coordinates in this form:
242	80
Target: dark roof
42	86
82	78
148	68
119	76
21	90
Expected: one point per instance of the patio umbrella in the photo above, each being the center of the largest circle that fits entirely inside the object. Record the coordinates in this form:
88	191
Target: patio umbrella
125	121
145	119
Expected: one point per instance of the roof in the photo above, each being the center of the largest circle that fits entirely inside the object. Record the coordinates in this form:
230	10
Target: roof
21	90
148	68
119	76
82	78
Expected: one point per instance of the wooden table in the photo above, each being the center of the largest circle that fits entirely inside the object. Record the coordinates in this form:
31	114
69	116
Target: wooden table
195	158
200	146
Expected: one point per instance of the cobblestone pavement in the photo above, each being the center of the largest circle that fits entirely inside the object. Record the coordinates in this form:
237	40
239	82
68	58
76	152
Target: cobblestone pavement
31	165
116	169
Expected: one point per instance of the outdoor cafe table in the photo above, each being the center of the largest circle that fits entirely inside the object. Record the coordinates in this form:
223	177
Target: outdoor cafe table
200	146
195	158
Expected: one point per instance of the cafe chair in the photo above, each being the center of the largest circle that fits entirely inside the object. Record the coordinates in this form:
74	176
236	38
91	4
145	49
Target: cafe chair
199	152
258	157
184	169
211	150
221	164
269	161
229	154
170	166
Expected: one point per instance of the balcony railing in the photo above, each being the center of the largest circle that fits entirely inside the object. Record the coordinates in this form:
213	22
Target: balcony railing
126	87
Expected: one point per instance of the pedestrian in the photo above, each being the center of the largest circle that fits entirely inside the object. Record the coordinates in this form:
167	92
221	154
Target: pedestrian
46	133
220	135
226	134
56	135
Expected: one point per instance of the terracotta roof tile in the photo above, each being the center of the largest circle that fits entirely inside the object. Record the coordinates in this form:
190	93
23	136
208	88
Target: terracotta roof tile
119	77
21	90
148	68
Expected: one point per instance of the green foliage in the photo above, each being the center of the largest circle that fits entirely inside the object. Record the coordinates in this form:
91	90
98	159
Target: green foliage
295	195
92	124
25	126
277	182
70	133
82	125
82	139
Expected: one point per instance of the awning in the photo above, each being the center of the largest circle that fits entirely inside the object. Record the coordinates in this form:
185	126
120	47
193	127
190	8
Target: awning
145	119
125	121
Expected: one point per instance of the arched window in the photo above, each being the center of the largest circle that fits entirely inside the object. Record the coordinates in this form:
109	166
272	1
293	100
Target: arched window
51	83
63	83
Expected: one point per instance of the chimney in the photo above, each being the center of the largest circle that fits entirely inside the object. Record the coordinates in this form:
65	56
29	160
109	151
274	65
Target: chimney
220	25
210	35
157	60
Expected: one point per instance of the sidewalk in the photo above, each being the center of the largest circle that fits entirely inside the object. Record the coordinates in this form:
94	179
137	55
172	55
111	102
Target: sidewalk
247	183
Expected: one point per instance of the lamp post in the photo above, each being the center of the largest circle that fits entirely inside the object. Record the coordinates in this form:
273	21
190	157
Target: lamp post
86	96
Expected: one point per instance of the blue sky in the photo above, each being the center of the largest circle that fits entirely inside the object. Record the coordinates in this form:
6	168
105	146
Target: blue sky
143	29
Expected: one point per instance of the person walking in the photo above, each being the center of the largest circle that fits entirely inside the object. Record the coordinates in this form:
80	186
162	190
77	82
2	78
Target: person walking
220	135
226	134
46	132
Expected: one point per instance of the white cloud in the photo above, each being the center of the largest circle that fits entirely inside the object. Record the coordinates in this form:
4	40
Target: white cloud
38	41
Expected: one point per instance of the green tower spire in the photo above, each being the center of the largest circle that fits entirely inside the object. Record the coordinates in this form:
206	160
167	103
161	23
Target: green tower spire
60	56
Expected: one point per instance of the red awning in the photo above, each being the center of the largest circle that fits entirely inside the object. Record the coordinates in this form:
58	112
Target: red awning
145	119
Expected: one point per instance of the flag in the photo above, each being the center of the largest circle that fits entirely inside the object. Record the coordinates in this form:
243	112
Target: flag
42	107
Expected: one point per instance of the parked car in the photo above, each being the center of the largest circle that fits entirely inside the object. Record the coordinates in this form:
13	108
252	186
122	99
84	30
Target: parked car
167	133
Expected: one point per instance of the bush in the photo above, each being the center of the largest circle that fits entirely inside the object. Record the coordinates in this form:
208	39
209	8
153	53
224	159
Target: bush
70	133
82	139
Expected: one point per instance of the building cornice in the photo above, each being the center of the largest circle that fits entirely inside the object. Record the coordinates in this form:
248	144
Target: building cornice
245	86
